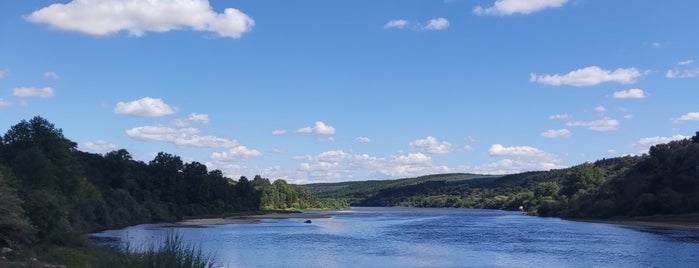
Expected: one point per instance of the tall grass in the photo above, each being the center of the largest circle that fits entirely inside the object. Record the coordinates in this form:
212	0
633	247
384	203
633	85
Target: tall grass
173	253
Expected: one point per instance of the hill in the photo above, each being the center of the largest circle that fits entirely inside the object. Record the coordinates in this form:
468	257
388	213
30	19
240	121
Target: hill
664	181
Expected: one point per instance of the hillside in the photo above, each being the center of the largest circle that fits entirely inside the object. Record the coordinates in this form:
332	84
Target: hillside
664	181
358	191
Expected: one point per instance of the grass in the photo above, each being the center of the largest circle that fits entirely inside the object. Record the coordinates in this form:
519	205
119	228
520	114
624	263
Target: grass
173	253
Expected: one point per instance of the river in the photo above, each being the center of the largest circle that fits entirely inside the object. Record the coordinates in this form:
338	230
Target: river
427	237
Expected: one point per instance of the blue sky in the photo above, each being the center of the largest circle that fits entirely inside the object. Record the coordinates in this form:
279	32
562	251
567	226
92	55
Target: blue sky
312	91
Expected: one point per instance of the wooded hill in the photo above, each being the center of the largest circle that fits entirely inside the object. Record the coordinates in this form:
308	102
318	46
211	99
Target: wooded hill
664	181
51	193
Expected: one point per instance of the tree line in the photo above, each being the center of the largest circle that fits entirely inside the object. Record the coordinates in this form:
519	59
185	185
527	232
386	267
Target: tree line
663	181
51	193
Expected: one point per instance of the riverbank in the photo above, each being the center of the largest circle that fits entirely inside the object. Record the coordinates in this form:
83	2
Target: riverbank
251	219
679	221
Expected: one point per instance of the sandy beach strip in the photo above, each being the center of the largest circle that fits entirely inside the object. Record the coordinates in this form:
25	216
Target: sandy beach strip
251	219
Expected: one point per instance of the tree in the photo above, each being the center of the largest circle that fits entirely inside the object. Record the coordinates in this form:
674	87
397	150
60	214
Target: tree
15	230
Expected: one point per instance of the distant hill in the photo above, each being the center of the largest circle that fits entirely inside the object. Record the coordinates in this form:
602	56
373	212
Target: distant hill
664	181
358	191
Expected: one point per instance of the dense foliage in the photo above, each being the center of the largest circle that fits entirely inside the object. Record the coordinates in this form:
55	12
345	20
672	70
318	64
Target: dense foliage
50	192
665	181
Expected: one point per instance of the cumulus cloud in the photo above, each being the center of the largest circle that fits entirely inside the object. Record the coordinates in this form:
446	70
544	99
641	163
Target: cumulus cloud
339	165
556	133
29	92
604	124
432	145
518	159
236	153
319	128
99	146
600	109
511	7
686	62
193	118
399	24
500	150
644	144
691	116
4	103
106	17
687	73
51	75
362	140
279	132
634	93
437	24
180	136
147	107
589	76
559	116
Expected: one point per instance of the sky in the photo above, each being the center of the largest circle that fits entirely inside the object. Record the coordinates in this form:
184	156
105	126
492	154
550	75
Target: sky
328	91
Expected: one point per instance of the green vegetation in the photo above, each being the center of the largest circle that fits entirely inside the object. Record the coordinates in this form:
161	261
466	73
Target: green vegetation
665	181
51	194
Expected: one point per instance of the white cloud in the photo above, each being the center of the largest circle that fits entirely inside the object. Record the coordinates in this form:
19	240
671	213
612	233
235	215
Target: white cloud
320	128
279	132
106	17
99	146
634	93
236	153
589	76
686	62
628	116
691	116
28	92
600	109
644	144
150	107
4	103
179	136
559	116
362	140
194	118
432	145
399	24
500	150
604	124
437	24
556	133
51	75
510	7
519	159
655	44
3	73
676	73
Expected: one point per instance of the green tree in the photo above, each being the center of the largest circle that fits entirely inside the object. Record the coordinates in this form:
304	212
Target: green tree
15	230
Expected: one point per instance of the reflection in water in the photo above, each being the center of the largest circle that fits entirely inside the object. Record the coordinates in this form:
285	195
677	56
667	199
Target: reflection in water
421	237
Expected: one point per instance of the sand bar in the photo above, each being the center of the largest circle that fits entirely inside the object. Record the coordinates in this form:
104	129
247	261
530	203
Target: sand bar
251	219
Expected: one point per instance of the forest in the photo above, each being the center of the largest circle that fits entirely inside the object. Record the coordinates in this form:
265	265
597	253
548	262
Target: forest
663	182
51	194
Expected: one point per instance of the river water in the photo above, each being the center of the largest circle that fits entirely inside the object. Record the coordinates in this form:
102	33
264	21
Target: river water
427	237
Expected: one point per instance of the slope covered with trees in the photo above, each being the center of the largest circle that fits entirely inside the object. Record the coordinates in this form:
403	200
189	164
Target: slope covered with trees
664	181
51	193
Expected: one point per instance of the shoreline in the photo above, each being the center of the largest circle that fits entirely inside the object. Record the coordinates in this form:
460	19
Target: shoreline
250	219
641	223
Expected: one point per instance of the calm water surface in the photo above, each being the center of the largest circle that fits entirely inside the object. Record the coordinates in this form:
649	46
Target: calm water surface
425	237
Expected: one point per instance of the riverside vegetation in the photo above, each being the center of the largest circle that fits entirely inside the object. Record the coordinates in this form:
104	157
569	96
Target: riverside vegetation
52	194
662	185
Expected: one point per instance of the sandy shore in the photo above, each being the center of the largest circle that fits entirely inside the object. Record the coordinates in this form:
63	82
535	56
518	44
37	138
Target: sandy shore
250	219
